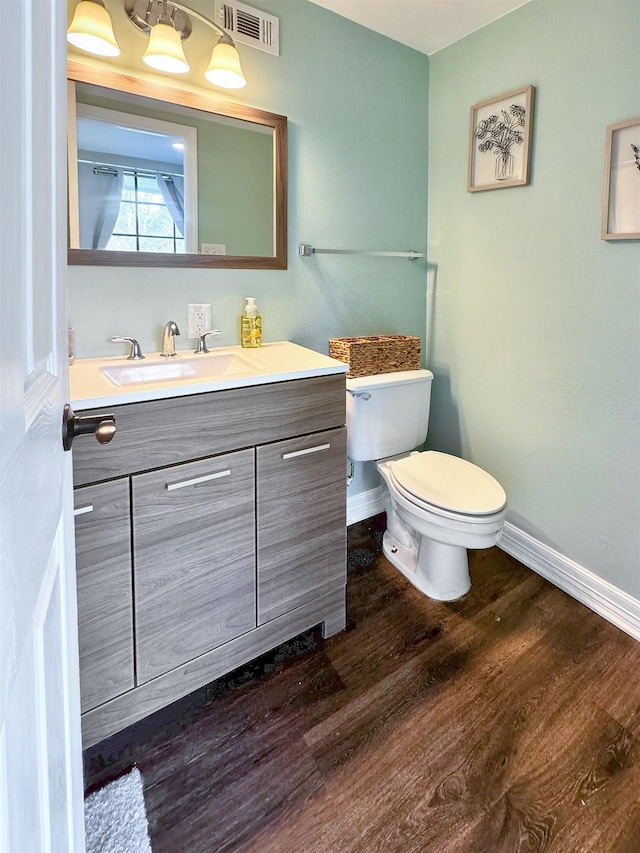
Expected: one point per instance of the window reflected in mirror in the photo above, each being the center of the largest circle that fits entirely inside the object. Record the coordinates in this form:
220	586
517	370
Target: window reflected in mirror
150	213
132	192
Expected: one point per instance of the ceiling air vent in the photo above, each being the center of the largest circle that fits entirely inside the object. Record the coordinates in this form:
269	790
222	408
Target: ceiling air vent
249	26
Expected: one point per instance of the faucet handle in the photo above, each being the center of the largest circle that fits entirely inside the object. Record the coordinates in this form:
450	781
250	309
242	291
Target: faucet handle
135	353
202	343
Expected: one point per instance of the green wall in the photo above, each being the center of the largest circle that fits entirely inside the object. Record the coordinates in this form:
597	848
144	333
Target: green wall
534	321
235	169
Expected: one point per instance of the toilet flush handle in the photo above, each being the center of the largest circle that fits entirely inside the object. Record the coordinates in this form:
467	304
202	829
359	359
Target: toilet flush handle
364	394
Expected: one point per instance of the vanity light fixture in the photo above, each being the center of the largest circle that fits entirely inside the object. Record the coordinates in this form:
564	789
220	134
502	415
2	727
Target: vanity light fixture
91	29
224	68
167	24
164	51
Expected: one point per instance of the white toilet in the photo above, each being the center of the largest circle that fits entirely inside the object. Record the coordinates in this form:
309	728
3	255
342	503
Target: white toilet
437	505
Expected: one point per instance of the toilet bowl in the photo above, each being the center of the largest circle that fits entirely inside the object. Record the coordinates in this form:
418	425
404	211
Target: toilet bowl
437	505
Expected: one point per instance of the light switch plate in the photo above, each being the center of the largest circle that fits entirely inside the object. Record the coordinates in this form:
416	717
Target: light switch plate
214	248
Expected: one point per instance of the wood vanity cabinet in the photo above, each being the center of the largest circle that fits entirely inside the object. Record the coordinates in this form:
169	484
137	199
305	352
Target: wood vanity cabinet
222	535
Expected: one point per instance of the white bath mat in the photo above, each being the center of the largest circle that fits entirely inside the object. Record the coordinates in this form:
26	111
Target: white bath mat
115	818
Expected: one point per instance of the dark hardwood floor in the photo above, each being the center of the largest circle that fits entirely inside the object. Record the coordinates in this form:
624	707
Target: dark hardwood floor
506	721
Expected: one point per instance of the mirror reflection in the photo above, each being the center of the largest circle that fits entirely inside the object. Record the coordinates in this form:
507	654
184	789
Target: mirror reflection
160	176
131	183
170	179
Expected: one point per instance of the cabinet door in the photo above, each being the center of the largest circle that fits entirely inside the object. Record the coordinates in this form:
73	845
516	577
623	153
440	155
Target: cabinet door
105	596
194	559
301	504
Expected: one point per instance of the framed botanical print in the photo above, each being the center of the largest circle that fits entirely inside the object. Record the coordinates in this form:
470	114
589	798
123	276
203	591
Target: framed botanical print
621	196
500	141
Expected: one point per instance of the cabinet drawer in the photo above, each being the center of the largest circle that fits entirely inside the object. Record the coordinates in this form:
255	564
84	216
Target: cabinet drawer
301	536
167	432
105	595
194	557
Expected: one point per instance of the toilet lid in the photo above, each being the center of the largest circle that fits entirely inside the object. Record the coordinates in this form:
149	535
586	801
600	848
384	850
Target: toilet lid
449	482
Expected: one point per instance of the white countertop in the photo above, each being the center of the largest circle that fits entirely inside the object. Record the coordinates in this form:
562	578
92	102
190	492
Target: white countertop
274	362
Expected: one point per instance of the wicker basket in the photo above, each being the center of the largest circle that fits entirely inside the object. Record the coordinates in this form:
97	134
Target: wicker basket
368	356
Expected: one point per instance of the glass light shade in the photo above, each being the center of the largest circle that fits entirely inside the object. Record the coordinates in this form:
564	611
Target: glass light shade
224	69
164	51
91	30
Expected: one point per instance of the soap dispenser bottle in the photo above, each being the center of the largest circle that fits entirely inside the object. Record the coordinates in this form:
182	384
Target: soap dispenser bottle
251	325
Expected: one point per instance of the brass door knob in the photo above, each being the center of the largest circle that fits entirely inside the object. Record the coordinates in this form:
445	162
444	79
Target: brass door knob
102	426
105	430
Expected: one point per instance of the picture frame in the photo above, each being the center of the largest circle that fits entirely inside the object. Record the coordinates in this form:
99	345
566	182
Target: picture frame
500	134
621	195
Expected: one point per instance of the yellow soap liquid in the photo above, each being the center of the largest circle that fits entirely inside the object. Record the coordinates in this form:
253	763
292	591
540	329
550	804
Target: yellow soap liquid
251	330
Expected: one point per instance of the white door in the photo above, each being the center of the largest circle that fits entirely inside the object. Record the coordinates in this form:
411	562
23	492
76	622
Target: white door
41	798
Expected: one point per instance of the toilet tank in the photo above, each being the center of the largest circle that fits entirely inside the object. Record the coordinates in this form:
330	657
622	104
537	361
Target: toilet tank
387	413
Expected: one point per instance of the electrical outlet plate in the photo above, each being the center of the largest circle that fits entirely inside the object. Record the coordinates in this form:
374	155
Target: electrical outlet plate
198	319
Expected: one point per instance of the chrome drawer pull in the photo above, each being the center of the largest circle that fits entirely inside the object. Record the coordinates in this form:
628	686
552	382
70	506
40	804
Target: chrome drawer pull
304	452
83	509
196	480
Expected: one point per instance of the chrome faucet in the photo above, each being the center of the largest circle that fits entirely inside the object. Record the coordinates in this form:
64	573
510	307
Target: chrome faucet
202	342
169	339
135	353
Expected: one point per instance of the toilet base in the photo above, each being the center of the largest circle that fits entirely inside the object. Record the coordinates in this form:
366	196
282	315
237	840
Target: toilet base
439	571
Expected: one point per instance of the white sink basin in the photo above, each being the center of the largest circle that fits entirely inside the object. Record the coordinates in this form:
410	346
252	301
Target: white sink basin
212	366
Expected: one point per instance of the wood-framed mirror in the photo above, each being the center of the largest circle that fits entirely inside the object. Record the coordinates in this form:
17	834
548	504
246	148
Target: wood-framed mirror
161	176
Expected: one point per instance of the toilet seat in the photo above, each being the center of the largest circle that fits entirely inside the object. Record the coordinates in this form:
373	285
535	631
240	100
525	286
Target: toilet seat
447	485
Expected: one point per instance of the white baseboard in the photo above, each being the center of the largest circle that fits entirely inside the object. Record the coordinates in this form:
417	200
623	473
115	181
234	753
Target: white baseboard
364	505
614	605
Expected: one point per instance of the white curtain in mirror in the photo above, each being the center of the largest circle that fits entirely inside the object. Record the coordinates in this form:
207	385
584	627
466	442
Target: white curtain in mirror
172	189
100	194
